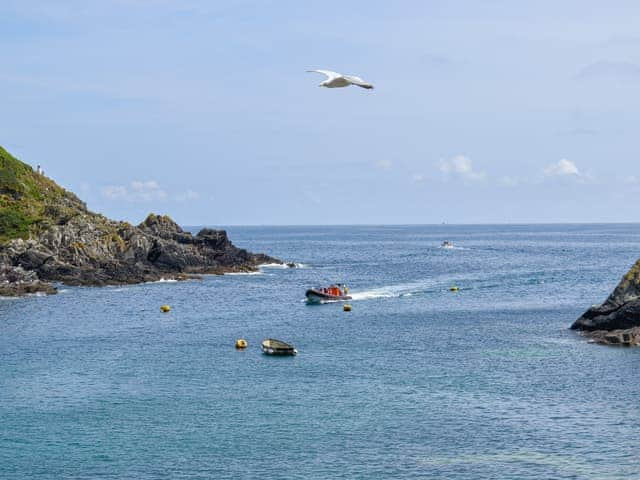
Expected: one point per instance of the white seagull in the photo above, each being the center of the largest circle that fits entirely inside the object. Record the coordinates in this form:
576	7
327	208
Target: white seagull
336	80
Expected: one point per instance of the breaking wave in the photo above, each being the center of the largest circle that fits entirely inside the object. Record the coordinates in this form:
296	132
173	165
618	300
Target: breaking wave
282	265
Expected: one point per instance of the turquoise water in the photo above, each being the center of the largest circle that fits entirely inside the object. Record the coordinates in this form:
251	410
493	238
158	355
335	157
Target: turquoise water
415	382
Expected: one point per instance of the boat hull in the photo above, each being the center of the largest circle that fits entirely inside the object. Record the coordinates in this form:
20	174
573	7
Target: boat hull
279	352
271	346
316	296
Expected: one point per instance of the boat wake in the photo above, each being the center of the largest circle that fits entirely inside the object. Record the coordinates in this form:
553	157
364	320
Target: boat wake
396	291
468	282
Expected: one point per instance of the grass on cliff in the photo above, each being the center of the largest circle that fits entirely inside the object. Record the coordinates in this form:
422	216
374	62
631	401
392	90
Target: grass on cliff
30	202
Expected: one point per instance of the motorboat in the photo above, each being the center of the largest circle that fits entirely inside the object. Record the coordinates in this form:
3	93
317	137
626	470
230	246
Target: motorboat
271	346
447	244
332	293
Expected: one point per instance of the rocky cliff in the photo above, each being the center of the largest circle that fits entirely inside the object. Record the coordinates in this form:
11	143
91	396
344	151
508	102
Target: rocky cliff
617	320
48	235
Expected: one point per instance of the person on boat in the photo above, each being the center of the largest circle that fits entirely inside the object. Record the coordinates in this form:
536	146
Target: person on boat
346	290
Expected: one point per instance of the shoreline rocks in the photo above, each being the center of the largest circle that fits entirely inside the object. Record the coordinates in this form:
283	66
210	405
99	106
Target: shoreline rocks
91	250
626	338
617	320
16	282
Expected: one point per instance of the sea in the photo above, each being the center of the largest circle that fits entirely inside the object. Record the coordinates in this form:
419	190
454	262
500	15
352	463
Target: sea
417	381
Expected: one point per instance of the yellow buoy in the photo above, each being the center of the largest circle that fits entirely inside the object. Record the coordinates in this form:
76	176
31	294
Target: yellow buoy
241	343
454	289
346	307
165	308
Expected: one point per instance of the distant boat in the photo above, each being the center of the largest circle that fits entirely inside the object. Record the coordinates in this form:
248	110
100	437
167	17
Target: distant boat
332	293
271	346
447	244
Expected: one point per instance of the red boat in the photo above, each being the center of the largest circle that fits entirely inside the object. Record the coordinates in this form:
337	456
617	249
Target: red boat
332	293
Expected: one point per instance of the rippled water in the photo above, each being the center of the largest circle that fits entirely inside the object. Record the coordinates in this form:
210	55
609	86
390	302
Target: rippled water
415	382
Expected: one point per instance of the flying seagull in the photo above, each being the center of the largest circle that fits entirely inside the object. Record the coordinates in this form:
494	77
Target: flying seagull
336	80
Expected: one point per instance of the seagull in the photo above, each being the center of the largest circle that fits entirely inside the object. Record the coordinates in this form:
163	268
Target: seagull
336	80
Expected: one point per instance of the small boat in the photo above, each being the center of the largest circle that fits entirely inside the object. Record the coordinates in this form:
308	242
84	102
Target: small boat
447	244
271	346
332	293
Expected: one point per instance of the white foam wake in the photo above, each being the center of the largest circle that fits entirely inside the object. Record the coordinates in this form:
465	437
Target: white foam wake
282	265
394	291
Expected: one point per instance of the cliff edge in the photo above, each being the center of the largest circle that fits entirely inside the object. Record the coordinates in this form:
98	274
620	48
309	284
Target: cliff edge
47	234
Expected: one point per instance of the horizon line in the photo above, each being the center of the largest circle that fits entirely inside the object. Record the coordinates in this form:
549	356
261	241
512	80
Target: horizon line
497	224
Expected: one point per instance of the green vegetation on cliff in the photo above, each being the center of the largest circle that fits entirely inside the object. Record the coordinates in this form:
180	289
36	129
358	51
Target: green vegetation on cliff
30	202
72	245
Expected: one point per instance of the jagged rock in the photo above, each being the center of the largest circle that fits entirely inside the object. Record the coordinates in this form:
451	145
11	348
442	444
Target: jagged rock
48	232
16	281
621	310
620	313
91	251
629	337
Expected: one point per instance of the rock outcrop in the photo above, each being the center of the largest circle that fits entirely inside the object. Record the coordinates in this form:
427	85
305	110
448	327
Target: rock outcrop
48	235
629	337
16	281
617	320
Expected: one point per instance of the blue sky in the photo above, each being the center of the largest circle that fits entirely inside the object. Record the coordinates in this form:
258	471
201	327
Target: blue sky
483	112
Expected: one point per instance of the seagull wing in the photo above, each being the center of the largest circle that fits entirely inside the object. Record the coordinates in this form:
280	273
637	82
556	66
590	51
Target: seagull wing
330	75
358	81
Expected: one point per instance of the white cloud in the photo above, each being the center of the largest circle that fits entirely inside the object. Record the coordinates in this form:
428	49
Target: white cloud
384	164
563	168
136	191
114	192
462	167
187	196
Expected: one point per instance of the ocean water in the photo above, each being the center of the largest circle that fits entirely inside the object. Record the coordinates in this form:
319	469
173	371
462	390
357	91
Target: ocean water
415	382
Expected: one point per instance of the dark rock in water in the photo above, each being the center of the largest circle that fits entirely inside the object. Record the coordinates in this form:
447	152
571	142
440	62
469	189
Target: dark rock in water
16	281
628	337
291	265
47	233
619	312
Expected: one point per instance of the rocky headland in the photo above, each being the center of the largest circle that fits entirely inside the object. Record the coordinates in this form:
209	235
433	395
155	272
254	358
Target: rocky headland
617	320
47	235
